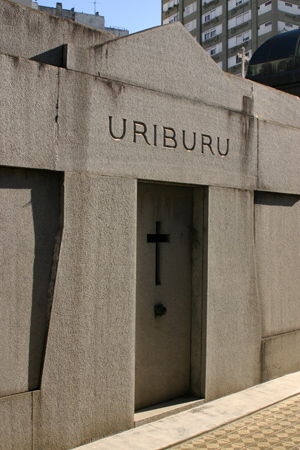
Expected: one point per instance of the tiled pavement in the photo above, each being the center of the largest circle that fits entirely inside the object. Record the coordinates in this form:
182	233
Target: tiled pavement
273	428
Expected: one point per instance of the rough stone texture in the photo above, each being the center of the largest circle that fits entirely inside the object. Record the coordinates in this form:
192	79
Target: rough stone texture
151	59
233	311
277	219
58	119
74	129
269	104
29	100
88	379
88	144
280	355
16	422
276	106
30	224
35	32
278	158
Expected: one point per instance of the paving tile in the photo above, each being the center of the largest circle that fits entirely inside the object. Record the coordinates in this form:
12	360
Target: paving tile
274	428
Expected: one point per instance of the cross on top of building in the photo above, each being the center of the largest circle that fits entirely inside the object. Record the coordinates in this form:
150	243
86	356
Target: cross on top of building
244	58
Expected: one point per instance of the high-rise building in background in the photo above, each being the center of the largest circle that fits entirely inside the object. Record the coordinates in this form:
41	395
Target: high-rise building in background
223	27
91	20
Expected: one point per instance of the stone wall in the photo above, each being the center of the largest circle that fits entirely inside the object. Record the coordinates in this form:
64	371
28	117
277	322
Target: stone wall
76	143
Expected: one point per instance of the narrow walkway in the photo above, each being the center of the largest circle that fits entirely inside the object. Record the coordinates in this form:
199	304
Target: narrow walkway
266	416
273	428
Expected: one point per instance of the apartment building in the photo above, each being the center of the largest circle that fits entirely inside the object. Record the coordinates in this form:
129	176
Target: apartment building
91	20
224	27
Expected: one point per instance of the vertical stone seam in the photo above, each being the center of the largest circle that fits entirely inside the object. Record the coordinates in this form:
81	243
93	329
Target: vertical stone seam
204	294
57	119
258	297
32	426
257	155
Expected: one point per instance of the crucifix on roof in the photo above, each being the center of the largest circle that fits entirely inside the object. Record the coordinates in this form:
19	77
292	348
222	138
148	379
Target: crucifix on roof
242	55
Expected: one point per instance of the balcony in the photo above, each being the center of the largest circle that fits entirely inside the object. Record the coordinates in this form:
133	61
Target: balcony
208	5
239	27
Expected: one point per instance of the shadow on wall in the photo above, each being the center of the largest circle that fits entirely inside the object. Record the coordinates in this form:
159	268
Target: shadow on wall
31	205
270	199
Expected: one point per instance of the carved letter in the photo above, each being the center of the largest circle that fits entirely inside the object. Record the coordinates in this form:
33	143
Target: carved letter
208	144
183	139
155	135
220	153
142	133
172	138
110	129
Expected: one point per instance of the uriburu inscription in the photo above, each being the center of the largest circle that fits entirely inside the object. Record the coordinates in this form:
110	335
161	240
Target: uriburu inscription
168	137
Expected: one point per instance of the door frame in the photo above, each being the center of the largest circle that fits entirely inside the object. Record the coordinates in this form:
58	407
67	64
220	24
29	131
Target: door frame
199	236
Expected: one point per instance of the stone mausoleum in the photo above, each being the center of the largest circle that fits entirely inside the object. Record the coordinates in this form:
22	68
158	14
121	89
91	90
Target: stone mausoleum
150	247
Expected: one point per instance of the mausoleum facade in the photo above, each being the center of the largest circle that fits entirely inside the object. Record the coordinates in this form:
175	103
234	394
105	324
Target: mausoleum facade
149	228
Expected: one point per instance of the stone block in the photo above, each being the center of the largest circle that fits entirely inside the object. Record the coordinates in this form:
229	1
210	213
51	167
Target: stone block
279	158
276	106
88	378
149	135
28	116
277	219
280	355
233	310
167	59
16	422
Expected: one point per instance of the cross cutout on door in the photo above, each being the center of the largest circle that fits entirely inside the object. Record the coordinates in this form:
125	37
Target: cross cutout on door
157	239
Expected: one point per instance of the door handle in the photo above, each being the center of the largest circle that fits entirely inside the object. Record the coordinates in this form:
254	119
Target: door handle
159	310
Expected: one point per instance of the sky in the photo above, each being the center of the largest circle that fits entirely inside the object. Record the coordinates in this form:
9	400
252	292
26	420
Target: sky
134	15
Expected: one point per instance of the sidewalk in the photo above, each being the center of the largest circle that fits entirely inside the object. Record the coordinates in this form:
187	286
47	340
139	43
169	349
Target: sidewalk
273	428
226	423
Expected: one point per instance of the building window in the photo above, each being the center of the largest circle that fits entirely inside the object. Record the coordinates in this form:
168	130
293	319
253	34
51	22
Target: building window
171	19
190	9
191	25
288	7
210	34
264	7
234	3
239	20
212	51
170	4
212	14
265	28
239	39
242	18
